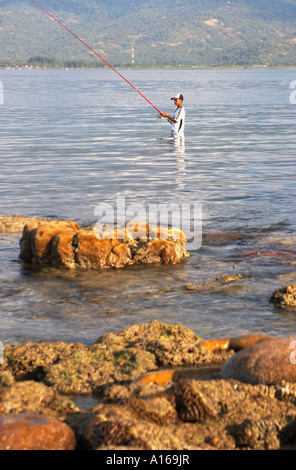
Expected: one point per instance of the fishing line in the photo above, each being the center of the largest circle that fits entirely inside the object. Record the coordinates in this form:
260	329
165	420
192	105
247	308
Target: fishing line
116	71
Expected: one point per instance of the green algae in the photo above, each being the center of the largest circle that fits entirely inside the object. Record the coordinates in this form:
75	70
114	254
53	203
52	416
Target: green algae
211	413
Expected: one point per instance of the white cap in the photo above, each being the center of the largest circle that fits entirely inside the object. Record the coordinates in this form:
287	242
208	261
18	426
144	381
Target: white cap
177	96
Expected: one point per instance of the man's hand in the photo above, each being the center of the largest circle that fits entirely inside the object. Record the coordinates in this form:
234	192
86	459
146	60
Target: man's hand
164	115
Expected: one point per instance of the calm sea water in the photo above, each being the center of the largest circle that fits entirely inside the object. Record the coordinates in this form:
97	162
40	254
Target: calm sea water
71	139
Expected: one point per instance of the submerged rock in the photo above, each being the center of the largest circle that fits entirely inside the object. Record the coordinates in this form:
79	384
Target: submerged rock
31	432
64	244
216	285
285	296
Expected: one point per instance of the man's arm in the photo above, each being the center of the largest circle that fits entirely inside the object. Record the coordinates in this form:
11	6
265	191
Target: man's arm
168	117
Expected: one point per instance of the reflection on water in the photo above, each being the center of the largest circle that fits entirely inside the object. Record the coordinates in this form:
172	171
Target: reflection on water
73	139
176	145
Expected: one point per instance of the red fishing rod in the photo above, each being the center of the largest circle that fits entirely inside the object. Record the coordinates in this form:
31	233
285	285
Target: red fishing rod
49	14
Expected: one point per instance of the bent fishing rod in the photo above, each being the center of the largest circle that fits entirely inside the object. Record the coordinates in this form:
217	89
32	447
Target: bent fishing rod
94	52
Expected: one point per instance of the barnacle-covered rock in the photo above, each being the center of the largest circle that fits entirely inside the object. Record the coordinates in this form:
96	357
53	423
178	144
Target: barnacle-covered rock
157	409
258	435
33	397
64	244
194	411
15	223
285	296
115	425
194	401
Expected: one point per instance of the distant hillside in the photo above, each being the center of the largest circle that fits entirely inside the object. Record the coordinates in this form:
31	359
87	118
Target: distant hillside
199	33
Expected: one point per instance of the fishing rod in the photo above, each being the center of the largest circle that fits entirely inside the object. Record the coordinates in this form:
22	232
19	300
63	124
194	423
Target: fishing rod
109	65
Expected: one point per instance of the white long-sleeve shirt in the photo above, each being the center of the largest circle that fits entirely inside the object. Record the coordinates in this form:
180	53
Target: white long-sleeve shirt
178	127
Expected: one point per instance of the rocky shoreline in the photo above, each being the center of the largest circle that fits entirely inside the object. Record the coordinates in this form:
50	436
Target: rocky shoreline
154	386
210	411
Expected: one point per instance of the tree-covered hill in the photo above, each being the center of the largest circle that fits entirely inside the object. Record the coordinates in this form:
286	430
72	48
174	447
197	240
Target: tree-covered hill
184	32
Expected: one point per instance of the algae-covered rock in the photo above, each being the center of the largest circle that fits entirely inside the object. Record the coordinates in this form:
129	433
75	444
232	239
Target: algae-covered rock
116	357
32	361
35	244
6	378
15	223
121	426
64	244
169	344
194	414
285	296
86	372
219	284
33	397
211	412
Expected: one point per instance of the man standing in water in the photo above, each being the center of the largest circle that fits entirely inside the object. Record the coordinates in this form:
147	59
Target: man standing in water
178	120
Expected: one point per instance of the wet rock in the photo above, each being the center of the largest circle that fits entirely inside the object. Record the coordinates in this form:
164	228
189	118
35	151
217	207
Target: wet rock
241	342
236	342
62	254
138	230
169	344
31	432
208	412
32	361
35	244
93	253
258	435
63	244
191	414
115	425
194	402
226	278
268	362
16	223
217	285
90	371
41	238
157	409
216	237
277	254
285	296
33	397
6	378
116	357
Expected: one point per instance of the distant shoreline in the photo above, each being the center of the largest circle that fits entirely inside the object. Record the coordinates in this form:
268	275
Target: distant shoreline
151	67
